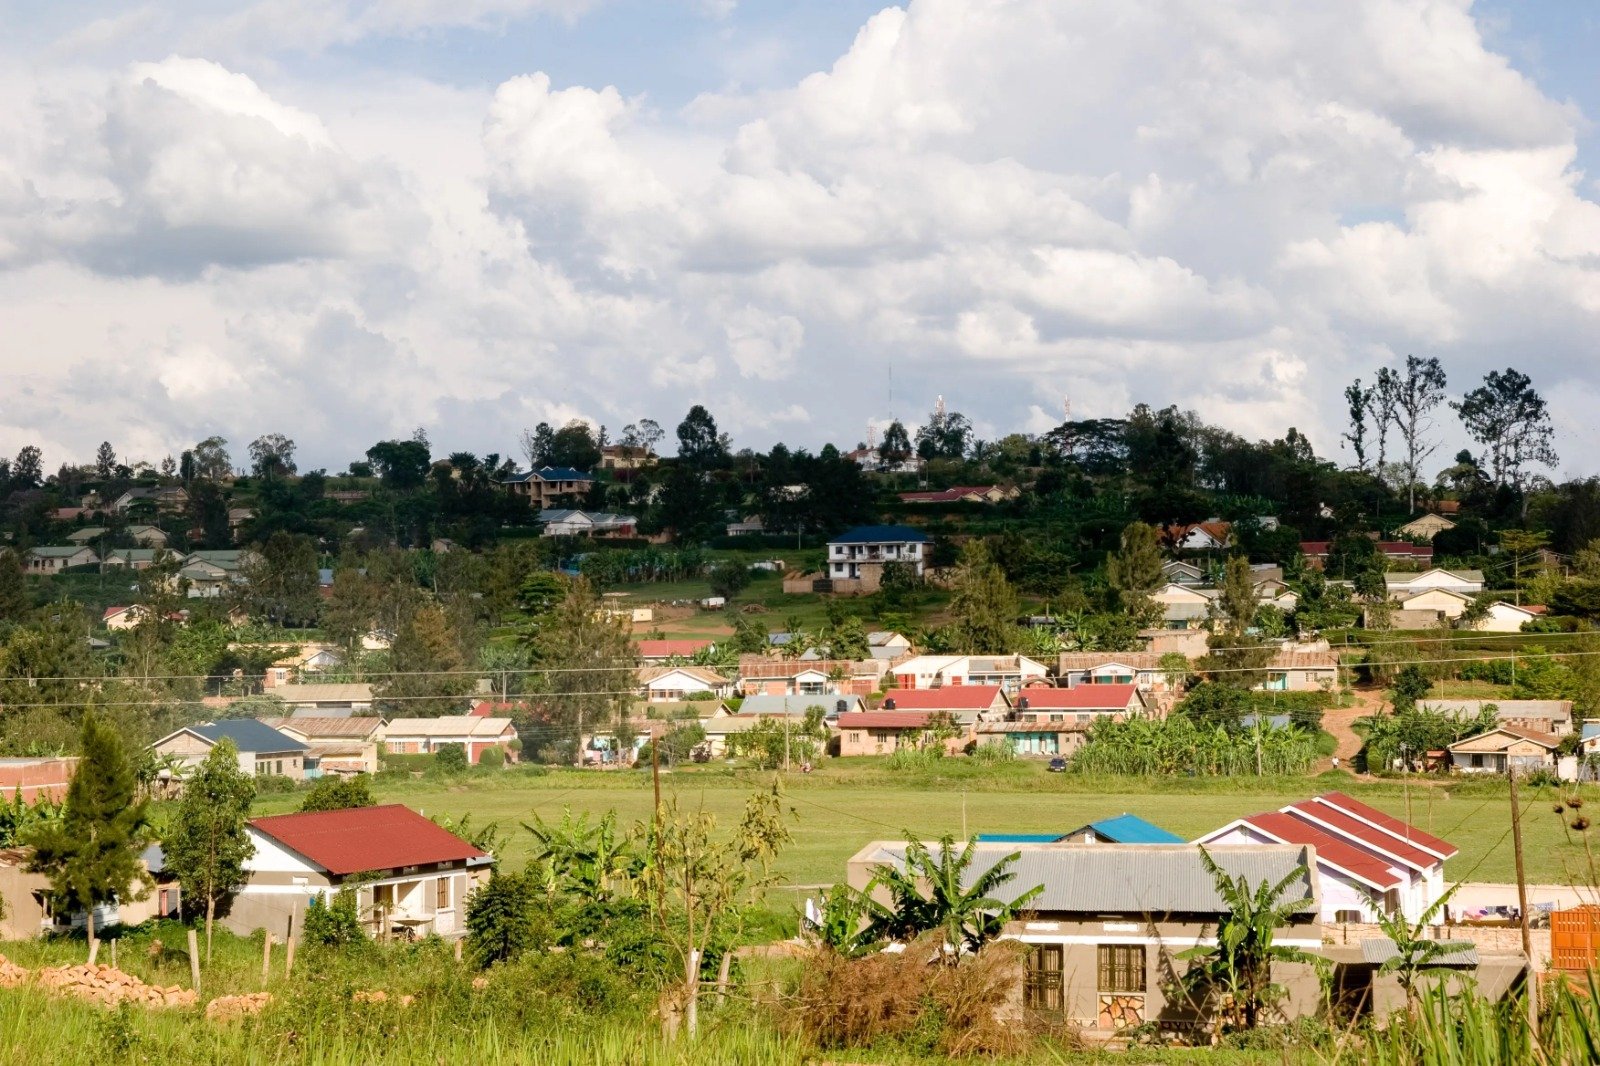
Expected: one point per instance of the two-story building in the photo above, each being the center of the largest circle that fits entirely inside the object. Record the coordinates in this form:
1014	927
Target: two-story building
860	554
1056	721
548	484
1010	672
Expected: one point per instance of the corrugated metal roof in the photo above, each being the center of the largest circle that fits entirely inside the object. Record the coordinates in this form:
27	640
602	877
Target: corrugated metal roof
948	698
248	735
1131	829
884	720
366	838
1461	954
1390	824
1330	849
1079	698
1556	709
1143	879
797	705
448	727
880	535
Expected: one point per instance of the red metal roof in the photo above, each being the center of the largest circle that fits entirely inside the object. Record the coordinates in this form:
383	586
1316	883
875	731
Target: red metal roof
1394	826
1347	857
948	698
1343	825
885	720
666	649
365	838
1080	698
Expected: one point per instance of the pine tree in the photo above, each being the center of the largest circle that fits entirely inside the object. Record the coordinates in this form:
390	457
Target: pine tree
92	854
984	604
105	461
430	678
1134	571
206	845
14	598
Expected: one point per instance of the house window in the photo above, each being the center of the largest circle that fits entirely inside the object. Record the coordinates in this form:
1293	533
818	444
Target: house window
1346	916
1042	986
442	898
1477	761
1121	968
277	767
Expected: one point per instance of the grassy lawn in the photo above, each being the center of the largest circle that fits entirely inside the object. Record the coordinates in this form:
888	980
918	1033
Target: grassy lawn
839	808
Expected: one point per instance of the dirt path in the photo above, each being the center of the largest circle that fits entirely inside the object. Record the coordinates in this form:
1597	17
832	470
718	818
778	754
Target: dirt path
1340	722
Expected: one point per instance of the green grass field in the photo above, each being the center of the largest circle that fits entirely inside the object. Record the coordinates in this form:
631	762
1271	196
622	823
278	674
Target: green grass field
841	806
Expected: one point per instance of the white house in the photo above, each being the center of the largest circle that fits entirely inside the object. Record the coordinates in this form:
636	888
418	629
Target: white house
473	733
665	683
53	560
570	523
1466	582
1504	617
412	878
1009	672
1505	749
865	548
1140	668
1211	535
1380	863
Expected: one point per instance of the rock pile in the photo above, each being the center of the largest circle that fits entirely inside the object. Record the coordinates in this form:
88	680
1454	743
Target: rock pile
104	984
226	1008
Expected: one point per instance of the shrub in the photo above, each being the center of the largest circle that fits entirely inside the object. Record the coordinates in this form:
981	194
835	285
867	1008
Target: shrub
334	793
334	924
492	759
267	784
500	918
450	759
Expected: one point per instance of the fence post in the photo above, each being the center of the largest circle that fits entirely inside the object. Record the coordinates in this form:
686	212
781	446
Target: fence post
194	962
266	957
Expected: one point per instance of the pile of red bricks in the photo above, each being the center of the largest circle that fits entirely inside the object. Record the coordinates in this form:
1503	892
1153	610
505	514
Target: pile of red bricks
105	984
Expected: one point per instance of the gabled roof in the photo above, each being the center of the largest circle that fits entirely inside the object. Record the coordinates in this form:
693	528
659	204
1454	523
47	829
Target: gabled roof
1080	698
549	473
1131	829
885	720
651	674
1337	853
880	535
1387	824
247	734
316	728
1466	577
347	692
1556	710
449	726
56	551
1591	729
1075	661
948	698
797	705
667	649
365	838
1513	734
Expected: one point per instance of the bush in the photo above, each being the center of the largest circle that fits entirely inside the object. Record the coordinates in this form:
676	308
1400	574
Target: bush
335	924
450	759
267	784
334	793
500	918
492	759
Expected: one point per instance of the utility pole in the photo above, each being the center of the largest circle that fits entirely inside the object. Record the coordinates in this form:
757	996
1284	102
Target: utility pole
1522	908
578	748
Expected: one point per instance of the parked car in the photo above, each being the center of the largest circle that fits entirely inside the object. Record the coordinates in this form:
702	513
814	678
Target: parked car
1058	765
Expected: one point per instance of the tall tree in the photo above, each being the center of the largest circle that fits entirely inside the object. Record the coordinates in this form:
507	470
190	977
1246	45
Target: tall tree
699	443
206	844
211	459
281	579
1133	572
430	670
945	435
272	456
984	603
1508	417
896	446
105	461
1418	392
1358	402
589	657
1385	401
27	471
91	855
402	464
1237	655
14	599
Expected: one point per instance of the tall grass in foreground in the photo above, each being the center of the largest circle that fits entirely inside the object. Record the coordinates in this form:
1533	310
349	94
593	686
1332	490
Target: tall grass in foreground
36	1028
1469	1031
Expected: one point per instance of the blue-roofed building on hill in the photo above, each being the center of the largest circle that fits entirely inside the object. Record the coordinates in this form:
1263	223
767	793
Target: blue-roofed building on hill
262	749
1123	829
856	557
548	484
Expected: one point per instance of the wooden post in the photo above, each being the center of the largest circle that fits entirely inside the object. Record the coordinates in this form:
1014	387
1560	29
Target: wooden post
459	942
266	958
114	954
722	976
1522	909
288	946
194	961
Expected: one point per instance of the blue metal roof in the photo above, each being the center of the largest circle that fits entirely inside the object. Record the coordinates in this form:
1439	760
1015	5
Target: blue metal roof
1591	729
879	535
248	734
1131	829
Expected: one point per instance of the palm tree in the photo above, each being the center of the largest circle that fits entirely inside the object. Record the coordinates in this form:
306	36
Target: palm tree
1415	954
966	909
1236	974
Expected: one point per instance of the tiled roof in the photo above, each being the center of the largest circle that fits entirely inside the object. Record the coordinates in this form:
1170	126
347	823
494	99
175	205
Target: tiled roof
885	720
666	649
1081	698
948	698
760	666
365	838
448	727
1287	829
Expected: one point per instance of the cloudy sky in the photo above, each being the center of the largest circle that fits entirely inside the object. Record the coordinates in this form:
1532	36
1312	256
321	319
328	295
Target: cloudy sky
343	219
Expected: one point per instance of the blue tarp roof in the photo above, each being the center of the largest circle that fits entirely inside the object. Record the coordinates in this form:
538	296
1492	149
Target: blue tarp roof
1591	729
879	534
1131	829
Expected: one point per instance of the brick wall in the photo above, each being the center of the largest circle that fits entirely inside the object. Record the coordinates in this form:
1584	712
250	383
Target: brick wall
1490	940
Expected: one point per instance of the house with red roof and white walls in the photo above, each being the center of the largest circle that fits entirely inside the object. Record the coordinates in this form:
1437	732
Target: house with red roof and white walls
411	876
1368	862
1056	721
